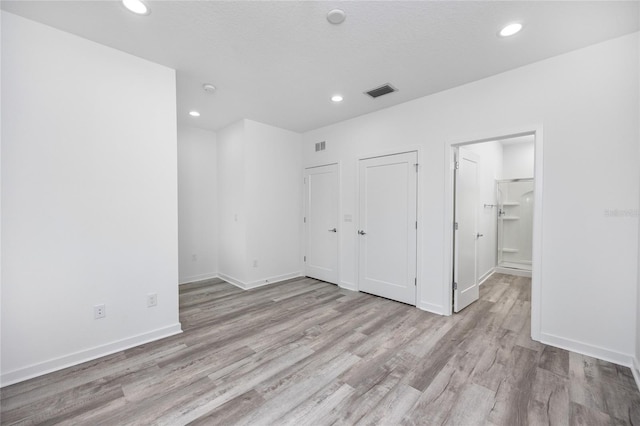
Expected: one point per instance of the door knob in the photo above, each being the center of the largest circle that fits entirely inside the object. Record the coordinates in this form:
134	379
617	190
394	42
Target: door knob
478	235
361	232
333	230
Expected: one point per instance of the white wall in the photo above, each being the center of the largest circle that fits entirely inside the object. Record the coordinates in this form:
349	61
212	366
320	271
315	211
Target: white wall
636	361
518	160
0	203
489	170
232	248
260	198
636	364
274	196
587	102
197	204
89	199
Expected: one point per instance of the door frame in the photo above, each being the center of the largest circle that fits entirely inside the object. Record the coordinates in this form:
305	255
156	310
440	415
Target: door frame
303	234
386	153
449	169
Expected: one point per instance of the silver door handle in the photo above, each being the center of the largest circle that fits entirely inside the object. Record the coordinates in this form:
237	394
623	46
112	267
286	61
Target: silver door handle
333	230
361	232
478	235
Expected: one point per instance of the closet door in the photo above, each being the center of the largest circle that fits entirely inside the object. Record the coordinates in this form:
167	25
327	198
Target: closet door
321	223
387	226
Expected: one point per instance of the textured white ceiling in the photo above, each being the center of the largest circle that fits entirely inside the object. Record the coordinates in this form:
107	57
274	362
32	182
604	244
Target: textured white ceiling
279	62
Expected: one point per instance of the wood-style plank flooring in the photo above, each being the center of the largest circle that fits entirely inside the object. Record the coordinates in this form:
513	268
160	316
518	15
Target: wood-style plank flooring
304	352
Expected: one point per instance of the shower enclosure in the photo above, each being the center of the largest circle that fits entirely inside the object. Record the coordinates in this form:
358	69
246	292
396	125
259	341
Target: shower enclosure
515	223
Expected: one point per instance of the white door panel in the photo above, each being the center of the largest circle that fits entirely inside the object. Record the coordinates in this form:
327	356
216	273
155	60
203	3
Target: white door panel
466	235
321	223
387	235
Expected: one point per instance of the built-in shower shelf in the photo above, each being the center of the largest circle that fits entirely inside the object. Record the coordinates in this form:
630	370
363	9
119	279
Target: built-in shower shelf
509	250
510	217
511	203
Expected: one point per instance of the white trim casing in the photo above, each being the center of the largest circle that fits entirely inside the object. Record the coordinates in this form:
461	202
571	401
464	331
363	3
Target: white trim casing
486	276
635	369
348	286
587	349
430	307
513	271
261	282
201	277
232	280
85	355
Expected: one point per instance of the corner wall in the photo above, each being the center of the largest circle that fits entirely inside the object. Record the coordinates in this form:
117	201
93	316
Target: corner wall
197	204
274	194
635	364
260	199
636	360
89	200
232	219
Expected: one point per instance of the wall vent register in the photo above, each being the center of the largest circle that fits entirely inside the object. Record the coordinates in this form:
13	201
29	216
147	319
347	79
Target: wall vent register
382	90
321	146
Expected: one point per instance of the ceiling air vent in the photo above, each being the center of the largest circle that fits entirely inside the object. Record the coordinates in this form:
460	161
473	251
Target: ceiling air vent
321	146
382	90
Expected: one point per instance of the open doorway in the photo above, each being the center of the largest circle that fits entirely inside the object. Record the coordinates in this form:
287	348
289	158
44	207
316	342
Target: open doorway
493	213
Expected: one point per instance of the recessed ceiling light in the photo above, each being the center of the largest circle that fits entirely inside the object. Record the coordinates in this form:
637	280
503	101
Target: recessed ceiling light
209	88
336	16
194	113
336	98
136	6
510	30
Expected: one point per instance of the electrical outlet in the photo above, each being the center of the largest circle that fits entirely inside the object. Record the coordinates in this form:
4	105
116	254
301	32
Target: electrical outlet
99	311
255	263
194	257
152	300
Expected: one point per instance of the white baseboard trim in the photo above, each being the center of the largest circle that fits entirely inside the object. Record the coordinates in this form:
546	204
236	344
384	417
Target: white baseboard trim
486	276
586	349
231	280
259	283
272	280
201	277
513	271
430	307
85	355
635	369
348	286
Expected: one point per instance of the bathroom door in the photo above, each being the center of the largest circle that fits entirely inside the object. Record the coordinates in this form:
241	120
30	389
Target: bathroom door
465	275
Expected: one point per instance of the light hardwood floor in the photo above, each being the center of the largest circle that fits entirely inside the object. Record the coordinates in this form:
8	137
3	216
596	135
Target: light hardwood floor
304	352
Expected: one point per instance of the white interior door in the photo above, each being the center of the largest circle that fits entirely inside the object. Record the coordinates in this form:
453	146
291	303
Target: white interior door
321	223
387	234
465	275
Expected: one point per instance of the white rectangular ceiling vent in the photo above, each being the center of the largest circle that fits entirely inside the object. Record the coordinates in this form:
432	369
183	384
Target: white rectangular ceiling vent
382	90
321	146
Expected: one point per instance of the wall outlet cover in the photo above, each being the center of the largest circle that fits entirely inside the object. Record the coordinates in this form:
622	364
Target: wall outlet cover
152	300
99	311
